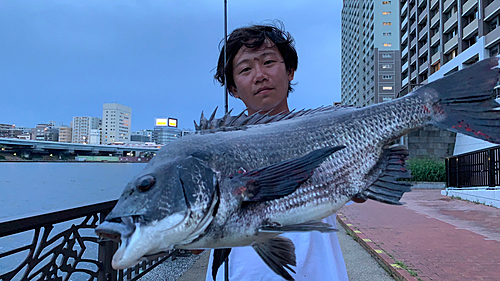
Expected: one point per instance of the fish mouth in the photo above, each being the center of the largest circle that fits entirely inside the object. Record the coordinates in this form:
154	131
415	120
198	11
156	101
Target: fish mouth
139	241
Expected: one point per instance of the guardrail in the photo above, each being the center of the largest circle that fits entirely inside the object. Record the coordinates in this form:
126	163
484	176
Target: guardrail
64	247
474	169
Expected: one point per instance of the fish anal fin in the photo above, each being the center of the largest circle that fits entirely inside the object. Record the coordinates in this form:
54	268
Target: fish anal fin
280	179
300	227
220	256
279	254
385	187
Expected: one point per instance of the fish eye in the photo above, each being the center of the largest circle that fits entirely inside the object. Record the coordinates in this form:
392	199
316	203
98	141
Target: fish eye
145	183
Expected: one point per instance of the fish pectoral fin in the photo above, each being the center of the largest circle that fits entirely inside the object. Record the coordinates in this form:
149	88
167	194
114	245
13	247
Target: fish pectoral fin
220	255
280	179
300	227
278	253
386	188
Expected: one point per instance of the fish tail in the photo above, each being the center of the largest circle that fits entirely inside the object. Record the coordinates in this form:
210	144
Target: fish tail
466	101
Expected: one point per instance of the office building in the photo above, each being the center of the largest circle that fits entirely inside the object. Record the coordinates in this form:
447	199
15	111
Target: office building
116	123
440	37
370	62
164	135
81	128
142	136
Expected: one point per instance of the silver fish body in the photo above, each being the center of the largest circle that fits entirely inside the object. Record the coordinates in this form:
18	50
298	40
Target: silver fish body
216	190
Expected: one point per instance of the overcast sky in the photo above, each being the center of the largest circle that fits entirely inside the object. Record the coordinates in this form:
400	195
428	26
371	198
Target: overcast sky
60	59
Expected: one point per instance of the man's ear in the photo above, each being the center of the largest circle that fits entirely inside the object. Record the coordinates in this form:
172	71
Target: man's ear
234	91
291	74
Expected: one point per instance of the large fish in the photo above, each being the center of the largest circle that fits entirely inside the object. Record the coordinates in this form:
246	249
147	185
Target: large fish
247	182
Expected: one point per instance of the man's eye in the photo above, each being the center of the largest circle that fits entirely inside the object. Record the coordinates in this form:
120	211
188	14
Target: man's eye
267	62
245	70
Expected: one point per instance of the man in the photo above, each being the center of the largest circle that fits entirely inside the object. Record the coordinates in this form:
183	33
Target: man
261	64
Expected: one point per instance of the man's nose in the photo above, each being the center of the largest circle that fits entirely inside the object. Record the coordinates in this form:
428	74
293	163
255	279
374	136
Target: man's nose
260	73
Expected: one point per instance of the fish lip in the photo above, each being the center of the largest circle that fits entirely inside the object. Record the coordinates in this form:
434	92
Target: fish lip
262	89
117	229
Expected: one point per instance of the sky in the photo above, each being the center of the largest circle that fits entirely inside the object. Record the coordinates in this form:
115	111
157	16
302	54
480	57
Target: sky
60	59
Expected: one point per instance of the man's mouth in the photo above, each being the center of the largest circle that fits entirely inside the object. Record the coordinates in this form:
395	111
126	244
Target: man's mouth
263	90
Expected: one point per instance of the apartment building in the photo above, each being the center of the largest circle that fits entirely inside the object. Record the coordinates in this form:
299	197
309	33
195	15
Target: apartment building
439	37
65	134
116	123
370	63
81	128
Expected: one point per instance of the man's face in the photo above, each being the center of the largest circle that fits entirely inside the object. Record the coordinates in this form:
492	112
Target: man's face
261	78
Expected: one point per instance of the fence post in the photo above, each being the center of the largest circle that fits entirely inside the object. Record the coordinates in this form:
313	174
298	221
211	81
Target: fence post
106	250
458	174
491	167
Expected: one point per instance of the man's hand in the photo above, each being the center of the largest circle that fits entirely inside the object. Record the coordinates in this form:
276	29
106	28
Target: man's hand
358	200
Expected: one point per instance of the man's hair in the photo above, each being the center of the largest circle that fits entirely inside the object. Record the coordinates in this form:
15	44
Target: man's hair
252	37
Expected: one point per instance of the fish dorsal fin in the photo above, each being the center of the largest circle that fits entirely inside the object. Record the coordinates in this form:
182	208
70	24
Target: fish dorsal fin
242	121
220	255
386	188
280	179
279	254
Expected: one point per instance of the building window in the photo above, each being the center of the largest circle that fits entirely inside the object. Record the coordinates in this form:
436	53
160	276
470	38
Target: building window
386	23
386	77
386	13
387	44
387	88
387	66
386	2
387	34
387	56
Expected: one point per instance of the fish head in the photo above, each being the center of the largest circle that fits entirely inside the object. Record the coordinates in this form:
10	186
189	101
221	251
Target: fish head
164	206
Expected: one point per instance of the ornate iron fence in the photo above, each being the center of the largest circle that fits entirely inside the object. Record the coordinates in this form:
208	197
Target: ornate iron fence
474	169
64	247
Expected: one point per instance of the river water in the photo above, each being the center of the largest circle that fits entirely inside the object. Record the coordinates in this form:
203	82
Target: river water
28	189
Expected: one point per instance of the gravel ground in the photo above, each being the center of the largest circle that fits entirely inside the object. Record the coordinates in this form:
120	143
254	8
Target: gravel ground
172	270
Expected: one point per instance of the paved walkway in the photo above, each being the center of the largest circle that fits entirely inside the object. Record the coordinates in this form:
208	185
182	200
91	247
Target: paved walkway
432	237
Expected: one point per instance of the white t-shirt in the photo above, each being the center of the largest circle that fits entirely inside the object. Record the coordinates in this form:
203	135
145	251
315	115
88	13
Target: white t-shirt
319	257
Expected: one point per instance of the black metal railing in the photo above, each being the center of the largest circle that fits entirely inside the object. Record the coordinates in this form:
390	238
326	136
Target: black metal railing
474	169
62	246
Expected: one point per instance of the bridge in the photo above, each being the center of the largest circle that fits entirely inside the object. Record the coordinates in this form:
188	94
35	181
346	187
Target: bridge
28	147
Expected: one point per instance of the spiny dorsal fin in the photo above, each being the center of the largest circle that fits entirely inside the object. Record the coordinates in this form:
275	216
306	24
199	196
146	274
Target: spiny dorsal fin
242	121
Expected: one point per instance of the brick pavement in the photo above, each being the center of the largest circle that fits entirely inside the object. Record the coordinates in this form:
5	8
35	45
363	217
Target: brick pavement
433	236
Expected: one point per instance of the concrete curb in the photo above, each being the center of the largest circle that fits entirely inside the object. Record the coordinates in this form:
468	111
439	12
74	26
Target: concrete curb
388	263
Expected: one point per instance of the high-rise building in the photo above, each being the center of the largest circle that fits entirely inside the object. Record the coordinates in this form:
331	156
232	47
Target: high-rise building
439	37
370	52
81	128
116	123
65	133
142	136
45	132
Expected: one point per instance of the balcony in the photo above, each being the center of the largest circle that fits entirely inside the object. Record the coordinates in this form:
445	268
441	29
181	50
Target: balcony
435	39
467	6
404	67
413	10
423	50
450	44
413	58
421	2
404	9
470	29
423	32
422	16
404	38
434	3
492	37
413	26
447	5
414	74
491	9
404	23
435	58
413	42
435	20
404	82
450	23
423	67
404	52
